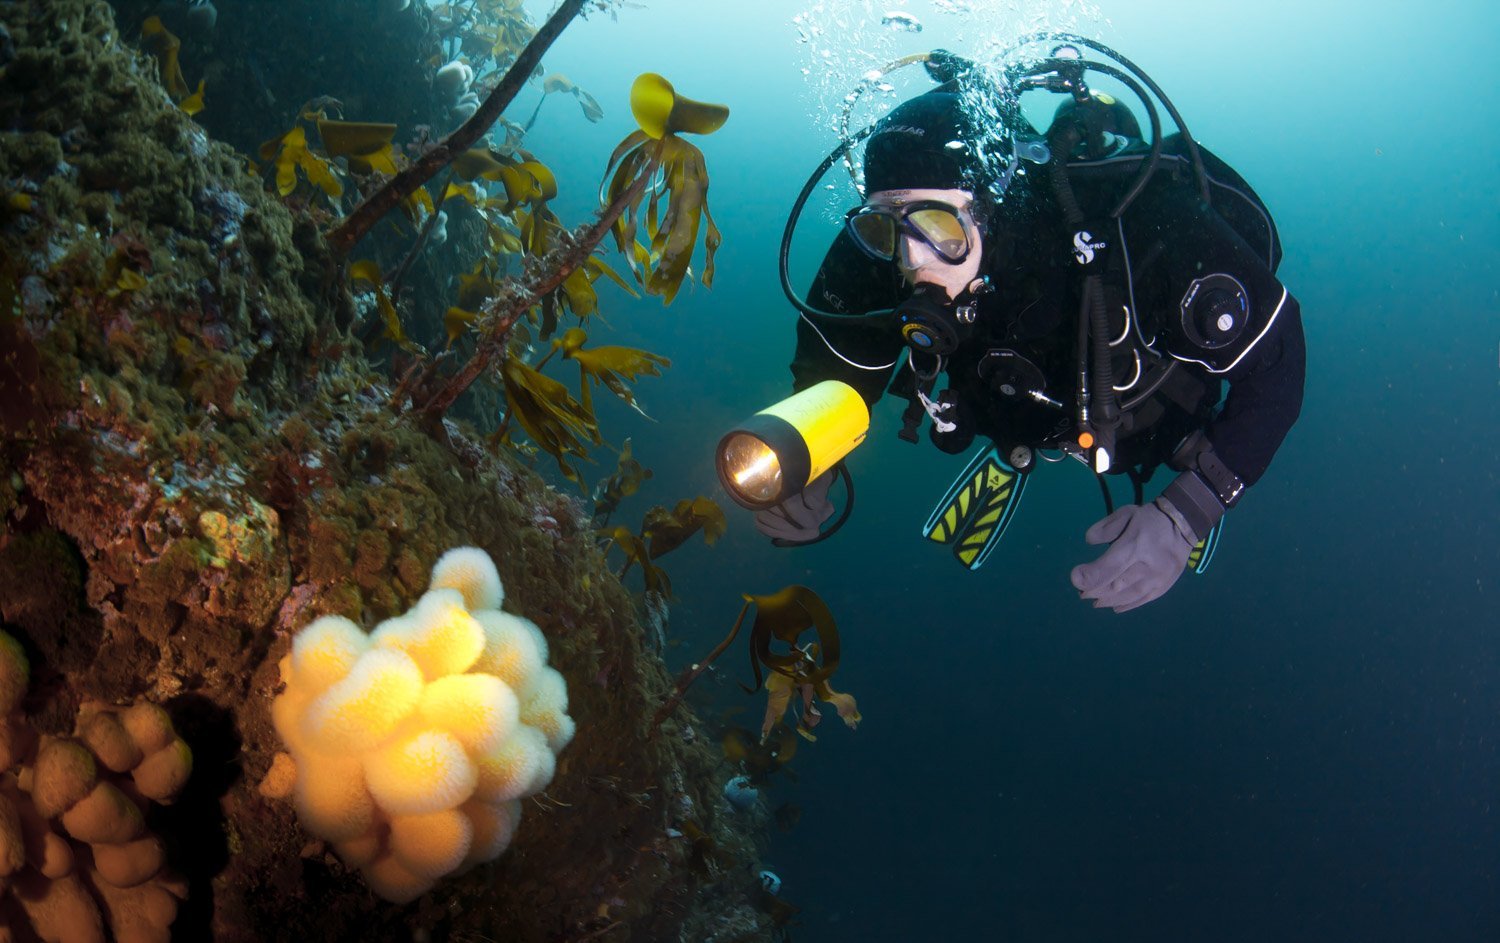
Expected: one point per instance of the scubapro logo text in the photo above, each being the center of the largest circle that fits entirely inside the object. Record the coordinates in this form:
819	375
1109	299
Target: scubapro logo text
1084	246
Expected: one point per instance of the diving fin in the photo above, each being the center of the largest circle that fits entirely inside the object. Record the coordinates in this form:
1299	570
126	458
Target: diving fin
1203	552
977	508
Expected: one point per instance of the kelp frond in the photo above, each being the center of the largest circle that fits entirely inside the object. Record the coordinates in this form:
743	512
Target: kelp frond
663	531
366	270
614	367
290	153
666	530
623	482
163	46
558	424
559	83
678	179
366	147
633	547
801	669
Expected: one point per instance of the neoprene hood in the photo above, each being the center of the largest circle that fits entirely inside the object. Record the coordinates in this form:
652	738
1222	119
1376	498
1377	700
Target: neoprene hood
925	142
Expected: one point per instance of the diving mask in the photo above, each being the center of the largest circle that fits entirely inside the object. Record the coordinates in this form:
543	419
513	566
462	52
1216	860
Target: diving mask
877	228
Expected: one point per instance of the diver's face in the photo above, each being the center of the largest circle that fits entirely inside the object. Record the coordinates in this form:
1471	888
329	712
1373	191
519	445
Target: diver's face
919	263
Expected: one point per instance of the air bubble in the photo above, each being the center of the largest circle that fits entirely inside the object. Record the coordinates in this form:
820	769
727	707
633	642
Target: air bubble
901	22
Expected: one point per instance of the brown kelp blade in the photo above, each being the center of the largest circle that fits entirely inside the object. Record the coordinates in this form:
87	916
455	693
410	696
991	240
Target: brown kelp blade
784	616
354	138
668	530
660	111
161	44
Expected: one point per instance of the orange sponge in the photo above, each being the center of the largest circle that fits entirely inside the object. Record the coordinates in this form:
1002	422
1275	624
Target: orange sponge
331	797
59	909
162	775
105	815
149	726
520	766
17	741
438	633
15	673
391	880
131	863
64	774
12	838
408	749
280	778
514	648
140	914
544	706
363	848
46	850
494	826
107	737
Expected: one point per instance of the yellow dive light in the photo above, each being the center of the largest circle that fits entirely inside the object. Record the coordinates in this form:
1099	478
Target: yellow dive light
776	452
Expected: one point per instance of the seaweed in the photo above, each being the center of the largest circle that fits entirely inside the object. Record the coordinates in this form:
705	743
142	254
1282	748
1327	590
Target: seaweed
623	482
559	83
611	366
671	231
800	671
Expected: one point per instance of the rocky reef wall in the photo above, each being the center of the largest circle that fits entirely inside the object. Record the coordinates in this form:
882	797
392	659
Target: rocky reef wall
197	459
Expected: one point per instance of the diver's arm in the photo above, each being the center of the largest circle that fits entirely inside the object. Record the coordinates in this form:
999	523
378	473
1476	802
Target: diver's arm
1150	544
1265	398
848	283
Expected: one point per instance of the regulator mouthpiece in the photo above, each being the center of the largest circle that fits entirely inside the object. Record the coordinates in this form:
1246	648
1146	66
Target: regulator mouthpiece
775	453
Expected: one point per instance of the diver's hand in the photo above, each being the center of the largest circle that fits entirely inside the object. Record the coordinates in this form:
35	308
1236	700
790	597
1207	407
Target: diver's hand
798	519
1149	547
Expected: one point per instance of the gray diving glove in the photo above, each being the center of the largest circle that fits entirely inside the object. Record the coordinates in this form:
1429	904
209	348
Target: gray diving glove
797	519
1149	547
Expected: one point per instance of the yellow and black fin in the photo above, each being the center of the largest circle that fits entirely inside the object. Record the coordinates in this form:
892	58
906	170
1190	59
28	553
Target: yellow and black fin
977	508
1203	552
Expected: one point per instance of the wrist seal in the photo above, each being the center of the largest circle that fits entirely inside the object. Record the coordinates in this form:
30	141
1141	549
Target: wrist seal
1196	501
1196	453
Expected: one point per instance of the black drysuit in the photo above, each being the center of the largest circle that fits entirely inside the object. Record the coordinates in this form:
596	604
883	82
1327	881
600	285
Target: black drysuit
1031	313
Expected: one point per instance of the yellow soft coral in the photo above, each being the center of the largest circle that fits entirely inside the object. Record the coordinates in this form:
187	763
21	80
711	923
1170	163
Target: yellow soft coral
409	748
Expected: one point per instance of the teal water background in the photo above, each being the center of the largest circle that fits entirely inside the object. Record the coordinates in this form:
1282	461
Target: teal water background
1304	744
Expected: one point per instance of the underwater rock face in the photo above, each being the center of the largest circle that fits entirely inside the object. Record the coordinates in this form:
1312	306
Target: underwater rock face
196	459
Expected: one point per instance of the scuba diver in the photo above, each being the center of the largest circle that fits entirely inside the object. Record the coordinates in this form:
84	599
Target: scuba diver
1082	293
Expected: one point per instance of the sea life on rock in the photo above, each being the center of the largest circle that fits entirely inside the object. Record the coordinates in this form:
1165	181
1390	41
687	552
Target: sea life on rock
414	744
740	794
202	14
453	79
465	107
76	857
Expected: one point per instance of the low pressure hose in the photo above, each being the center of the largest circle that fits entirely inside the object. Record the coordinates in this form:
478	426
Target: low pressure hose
1100	388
